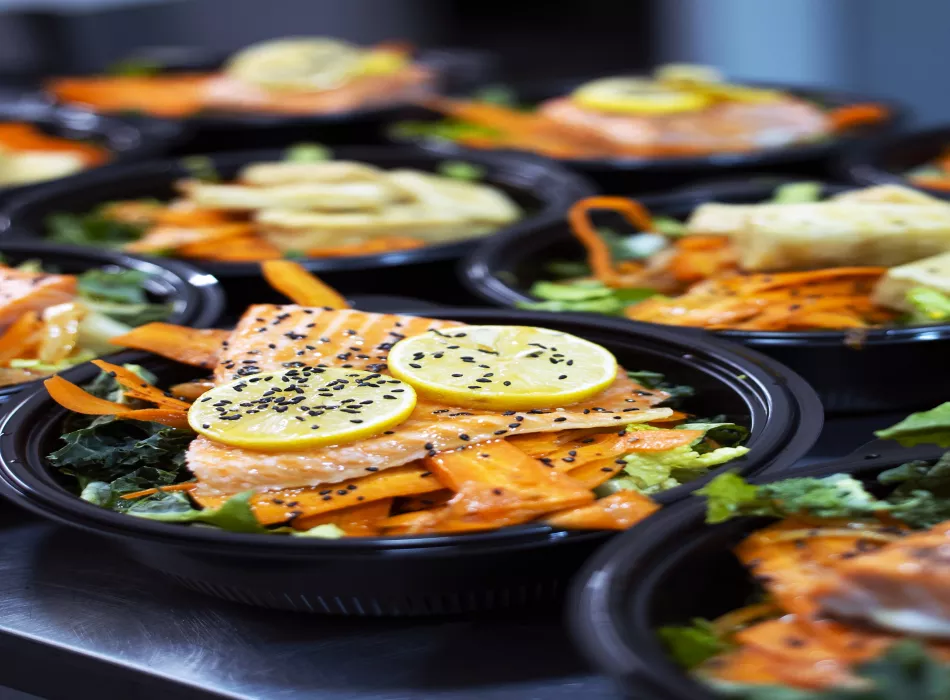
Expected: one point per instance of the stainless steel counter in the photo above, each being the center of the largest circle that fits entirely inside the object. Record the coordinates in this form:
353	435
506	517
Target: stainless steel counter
79	621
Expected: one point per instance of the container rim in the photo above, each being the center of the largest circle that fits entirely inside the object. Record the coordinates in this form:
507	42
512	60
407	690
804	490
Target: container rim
478	270
604	588
786	420
545	89
202	297
554	187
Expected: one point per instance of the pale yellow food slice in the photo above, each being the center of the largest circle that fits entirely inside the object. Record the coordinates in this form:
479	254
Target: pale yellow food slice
637	96
302	407
503	367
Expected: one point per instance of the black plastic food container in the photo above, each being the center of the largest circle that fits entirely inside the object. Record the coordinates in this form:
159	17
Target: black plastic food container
646	175
887	162
196	296
214	130
848	371
417	575
542	188
127	139
674	569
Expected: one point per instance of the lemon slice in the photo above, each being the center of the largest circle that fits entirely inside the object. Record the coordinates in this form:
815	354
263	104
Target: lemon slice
687	74
297	64
303	407
381	61
705	80
637	96
503	367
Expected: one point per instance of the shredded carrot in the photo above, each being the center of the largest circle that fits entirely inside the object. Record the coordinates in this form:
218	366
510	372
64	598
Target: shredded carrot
598	252
238	249
190	346
135	387
856	115
171	95
933	182
362	520
78	400
293	281
16	136
384	244
618	511
173	419
185	486
172	239
192	390
273	507
20	336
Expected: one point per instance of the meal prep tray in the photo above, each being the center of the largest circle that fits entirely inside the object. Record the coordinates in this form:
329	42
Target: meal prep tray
616	176
112	629
458	69
196	296
676	570
542	188
845	368
418	575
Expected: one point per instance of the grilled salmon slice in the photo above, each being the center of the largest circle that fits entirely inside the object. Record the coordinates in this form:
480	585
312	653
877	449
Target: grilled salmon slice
22	291
902	587
730	126
271	338
228	93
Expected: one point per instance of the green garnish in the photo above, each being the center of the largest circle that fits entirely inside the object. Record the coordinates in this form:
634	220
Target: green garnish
929	305
201	168
460	170
797	193
308	153
690	645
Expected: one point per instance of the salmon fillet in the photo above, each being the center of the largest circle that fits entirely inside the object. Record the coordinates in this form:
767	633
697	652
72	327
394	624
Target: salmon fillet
729	126
223	92
903	586
21	292
271	338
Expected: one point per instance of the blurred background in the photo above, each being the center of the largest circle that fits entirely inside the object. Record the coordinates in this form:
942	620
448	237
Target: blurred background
882	47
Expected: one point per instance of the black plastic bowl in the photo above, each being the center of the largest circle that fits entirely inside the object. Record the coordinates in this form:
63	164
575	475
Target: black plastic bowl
126	139
418	574
887	162
196	297
644	175
845	369
543	189
674	569
230	130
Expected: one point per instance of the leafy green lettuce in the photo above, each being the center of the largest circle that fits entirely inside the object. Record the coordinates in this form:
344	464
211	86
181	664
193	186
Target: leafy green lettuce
920	497
929	305
690	645
93	229
652	472
931	426
591	296
906	671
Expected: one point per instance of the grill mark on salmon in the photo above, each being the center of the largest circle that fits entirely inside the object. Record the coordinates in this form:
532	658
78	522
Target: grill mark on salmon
432	427
21	292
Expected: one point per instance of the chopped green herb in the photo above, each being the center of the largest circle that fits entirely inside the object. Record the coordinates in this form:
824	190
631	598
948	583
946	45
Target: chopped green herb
201	168
308	153
460	170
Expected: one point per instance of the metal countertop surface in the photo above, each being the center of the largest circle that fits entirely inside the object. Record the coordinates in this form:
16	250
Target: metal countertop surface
79	620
